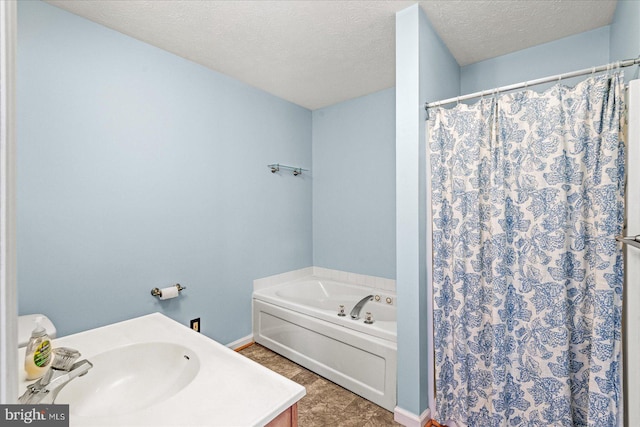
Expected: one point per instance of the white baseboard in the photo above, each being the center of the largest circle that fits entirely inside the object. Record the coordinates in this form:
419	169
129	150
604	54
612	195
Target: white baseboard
242	341
409	419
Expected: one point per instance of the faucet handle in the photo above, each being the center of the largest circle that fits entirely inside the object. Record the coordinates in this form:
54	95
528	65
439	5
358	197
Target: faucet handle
63	358
341	313
368	318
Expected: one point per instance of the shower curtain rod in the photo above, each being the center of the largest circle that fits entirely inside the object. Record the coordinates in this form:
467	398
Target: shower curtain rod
607	67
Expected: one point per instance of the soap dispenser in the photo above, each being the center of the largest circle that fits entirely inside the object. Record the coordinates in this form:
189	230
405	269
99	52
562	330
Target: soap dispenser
38	354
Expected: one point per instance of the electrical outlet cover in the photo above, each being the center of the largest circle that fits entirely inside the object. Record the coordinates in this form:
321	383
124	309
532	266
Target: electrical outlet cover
195	324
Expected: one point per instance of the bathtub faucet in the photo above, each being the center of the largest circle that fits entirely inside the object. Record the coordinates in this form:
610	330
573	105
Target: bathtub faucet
62	371
355	313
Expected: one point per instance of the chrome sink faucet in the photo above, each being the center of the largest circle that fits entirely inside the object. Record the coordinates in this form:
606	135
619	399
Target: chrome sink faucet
355	312
62	371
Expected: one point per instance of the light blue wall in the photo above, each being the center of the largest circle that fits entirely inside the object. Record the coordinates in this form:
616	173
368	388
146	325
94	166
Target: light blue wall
572	53
354	185
618	41
625	35
425	70
136	169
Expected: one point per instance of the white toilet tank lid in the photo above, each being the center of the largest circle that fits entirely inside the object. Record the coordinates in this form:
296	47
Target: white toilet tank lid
27	323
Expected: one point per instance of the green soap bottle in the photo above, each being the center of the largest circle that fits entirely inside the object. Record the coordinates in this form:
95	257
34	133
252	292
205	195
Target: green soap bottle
38	355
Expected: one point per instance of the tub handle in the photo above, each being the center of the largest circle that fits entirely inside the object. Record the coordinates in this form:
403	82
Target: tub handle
342	313
368	318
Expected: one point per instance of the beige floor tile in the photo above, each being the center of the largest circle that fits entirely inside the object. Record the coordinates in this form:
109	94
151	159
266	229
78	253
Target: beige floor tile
326	404
286	368
305	378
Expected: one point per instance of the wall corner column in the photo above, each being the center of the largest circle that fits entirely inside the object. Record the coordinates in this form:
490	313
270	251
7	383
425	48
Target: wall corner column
425	70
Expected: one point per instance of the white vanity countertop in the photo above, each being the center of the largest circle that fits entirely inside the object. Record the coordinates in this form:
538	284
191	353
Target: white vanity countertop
229	390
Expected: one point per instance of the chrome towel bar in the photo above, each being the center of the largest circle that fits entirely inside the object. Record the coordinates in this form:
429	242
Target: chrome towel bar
630	240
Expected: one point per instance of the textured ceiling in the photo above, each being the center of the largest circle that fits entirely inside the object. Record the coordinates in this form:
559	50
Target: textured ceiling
478	30
317	53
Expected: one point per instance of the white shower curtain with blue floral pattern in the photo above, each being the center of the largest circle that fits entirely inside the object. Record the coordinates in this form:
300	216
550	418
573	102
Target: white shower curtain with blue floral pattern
527	197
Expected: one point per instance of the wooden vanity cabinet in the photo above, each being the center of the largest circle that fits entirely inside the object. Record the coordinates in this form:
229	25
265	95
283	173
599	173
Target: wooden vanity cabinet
288	418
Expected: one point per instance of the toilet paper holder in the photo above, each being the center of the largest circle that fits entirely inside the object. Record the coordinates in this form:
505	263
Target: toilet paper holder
157	292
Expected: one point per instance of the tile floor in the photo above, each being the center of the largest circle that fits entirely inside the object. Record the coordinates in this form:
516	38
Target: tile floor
326	404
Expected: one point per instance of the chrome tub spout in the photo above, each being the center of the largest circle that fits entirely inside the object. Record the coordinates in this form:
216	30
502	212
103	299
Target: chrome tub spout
355	312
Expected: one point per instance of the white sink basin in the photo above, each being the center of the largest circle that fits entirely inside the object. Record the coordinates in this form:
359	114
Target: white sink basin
141	378
127	379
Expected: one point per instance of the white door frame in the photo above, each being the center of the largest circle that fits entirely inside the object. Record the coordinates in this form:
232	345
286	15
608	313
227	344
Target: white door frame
631	311
8	290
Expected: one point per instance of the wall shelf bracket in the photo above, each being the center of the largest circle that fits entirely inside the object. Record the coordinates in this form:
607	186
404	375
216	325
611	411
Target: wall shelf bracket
276	167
